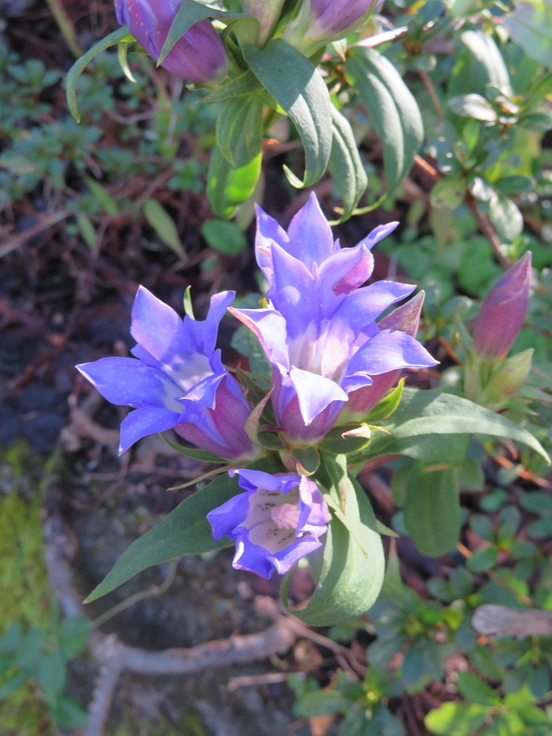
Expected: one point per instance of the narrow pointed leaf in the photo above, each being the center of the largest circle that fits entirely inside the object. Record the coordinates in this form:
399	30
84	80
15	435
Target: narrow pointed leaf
345	166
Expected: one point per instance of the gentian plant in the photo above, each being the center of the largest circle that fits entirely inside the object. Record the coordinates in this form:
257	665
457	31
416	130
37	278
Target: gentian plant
291	439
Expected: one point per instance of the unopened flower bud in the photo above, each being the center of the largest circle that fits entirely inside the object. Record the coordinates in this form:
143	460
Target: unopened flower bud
321	21
503	312
267	13
198	56
405	319
506	380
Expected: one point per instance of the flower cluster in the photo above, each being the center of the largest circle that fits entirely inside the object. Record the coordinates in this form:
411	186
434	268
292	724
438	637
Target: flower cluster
331	363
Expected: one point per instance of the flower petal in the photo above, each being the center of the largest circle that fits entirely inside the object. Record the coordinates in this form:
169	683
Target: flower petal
314	392
142	422
292	291
390	350
270	328
130	382
157	327
225	519
311	239
204	332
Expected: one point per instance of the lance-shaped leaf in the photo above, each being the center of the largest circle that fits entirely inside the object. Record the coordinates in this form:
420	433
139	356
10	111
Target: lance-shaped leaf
423	414
345	166
185	531
530	26
78	67
296	85
349	568
432	509
240	129
392	109
229	186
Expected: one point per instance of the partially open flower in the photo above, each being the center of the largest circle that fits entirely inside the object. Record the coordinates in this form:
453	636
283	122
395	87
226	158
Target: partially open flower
277	521
198	56
176	380
322	21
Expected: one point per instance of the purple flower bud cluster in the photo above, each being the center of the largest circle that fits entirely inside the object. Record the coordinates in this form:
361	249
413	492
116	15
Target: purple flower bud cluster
331	362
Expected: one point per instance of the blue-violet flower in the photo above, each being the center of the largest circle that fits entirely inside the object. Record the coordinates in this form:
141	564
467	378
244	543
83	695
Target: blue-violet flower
176	380
320	333
277	521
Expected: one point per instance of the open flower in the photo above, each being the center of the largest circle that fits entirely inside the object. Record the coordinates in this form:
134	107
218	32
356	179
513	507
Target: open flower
277	521
320	333
176	380
198	56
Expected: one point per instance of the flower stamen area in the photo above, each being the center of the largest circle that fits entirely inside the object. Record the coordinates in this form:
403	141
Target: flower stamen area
285	516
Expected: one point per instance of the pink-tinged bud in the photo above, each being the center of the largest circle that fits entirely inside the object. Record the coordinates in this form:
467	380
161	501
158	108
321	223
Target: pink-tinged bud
503	312
198	56
506	380
322	21
406	319
267	13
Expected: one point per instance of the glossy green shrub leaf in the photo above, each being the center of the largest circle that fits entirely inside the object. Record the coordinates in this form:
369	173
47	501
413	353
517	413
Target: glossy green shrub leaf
52	674
345	166
80	65
506	217
432	509
321	703
483	559
530	26
456	719
392	109
229	186
296	85
474	689
185	531
448	193
349	569
487	58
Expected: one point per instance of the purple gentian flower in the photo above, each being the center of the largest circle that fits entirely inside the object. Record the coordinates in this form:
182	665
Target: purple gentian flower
322	21
503	312
176	380
198	56
277	521
320	333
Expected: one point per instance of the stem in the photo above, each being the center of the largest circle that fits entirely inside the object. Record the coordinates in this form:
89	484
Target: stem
65	25
428	84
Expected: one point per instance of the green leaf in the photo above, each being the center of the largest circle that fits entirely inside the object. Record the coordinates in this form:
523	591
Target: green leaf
483	559
487	57
308	458
298	88
350	565
189	13
448	193
159	219
515	184
68	712
225	237
456	719
241	86
426	413
229	186
387	406
247	343
474	689
193	452
102	196
86	229
473	106
52	674
321	703
345	166
79	66
73	635
506	217
185	531
338	442
530	26
392	109
12	684
240	129
432	510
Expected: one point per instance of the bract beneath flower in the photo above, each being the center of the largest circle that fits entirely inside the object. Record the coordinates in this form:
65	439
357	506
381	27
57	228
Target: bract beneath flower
176	379
277	521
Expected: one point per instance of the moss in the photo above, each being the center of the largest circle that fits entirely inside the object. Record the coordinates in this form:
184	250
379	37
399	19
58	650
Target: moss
23	578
